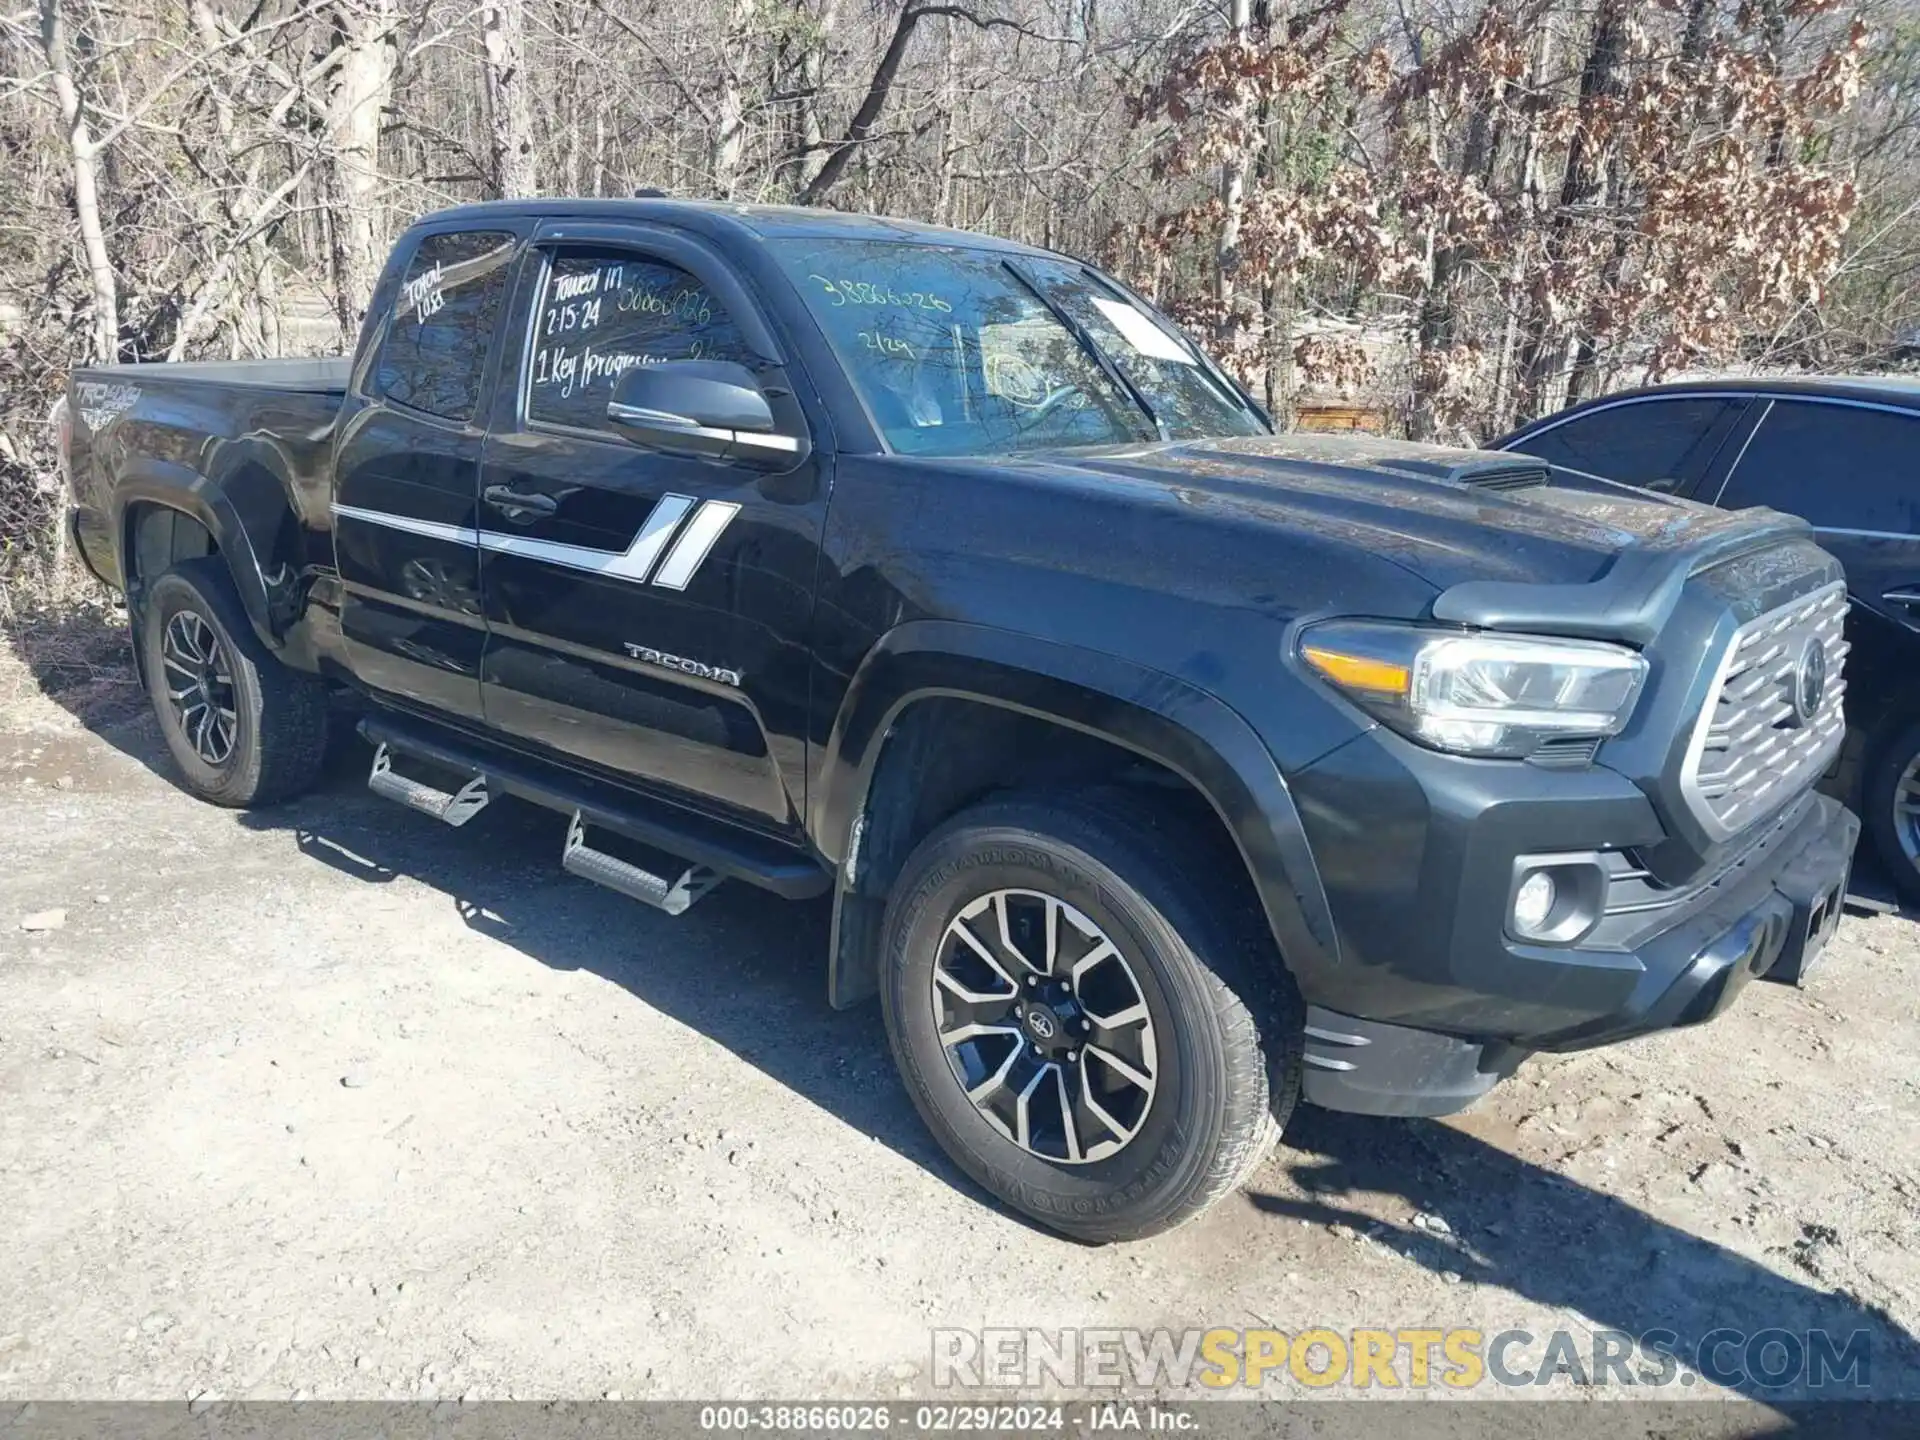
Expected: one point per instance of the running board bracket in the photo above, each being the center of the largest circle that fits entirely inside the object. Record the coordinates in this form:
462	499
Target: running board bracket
675	897
455	807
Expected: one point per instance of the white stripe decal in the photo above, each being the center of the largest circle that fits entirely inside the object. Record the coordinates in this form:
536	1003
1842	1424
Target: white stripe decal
631	564
432	529
694	543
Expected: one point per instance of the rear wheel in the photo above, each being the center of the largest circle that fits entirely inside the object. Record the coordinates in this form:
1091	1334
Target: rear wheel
1084	1015
243	729
1890	798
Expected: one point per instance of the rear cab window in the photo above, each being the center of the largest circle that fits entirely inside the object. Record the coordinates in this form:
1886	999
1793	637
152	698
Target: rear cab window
434	354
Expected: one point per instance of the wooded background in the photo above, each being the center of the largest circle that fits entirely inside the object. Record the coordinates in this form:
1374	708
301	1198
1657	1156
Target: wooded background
1456	213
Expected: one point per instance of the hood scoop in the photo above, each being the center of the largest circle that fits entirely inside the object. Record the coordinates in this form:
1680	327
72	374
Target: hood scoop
1475	472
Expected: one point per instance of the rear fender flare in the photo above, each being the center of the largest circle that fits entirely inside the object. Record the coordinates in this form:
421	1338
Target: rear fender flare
243	532
1156	715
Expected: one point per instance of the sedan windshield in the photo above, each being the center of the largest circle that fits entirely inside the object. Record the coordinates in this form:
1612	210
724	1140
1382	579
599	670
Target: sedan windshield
968	352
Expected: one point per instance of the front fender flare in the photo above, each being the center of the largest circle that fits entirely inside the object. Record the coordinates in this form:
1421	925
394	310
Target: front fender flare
1156	715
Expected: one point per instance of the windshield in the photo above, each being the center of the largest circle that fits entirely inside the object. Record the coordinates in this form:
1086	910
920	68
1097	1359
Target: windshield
964	352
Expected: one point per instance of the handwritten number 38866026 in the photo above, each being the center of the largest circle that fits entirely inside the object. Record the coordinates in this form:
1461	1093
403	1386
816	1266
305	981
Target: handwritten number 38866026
862	292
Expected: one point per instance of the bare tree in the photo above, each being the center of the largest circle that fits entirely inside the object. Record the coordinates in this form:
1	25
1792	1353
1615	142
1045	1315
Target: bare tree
360	74
509	116
1582	187
83	157
1233	174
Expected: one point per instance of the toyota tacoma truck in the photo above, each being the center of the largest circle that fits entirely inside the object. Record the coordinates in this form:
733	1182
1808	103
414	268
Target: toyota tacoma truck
1163	771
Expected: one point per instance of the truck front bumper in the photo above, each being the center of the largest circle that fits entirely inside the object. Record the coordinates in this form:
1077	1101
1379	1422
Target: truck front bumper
1767	914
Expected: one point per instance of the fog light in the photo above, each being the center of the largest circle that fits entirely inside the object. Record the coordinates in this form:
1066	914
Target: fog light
1533	903
1557	898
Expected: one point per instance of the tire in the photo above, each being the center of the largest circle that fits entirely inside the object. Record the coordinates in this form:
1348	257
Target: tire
256	732
1896	837
1226	1022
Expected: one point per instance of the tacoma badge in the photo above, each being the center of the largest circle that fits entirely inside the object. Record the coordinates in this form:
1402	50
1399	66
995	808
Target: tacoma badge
647	655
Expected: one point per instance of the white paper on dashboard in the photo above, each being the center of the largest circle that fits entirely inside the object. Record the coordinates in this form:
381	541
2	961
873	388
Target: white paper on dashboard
1140	332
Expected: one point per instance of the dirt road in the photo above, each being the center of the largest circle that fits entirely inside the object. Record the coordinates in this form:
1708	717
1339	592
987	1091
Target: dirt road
336	1102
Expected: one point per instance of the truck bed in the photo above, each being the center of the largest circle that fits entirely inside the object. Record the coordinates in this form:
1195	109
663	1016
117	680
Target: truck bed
163	424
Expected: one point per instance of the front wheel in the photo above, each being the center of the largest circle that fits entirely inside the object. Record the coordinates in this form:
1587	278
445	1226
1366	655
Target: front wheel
244	729
1084	1015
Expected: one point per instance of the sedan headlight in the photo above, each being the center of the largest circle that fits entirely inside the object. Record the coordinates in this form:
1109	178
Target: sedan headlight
1477	694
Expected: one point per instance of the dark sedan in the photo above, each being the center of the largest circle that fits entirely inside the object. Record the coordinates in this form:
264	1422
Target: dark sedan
1839	451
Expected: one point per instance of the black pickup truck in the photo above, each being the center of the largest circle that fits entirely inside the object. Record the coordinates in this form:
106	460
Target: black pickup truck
1162	770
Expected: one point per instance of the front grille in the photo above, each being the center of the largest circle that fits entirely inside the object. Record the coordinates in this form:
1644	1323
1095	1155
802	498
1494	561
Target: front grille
1754	748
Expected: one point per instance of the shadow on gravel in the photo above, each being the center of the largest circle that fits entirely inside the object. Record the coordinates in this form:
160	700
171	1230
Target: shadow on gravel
743	967
1560	1244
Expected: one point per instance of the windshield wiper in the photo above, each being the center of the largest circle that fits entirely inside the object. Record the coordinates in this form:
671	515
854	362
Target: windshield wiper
1224	384
1087	343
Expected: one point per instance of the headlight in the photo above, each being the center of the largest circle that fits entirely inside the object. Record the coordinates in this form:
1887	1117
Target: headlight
1477	694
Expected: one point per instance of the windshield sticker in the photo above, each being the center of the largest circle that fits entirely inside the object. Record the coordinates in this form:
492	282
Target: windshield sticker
1142	333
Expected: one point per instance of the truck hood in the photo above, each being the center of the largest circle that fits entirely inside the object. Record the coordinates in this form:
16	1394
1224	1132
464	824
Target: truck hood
1502	546
1449	516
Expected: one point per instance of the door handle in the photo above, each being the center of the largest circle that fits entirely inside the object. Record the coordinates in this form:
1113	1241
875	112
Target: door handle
518	506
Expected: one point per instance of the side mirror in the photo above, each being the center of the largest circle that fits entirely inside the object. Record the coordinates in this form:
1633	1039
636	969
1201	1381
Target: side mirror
711	408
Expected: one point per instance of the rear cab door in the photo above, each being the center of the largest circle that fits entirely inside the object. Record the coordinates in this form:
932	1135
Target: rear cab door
407	467
648	613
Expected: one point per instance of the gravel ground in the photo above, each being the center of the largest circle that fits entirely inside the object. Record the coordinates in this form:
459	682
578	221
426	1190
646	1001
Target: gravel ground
335	1102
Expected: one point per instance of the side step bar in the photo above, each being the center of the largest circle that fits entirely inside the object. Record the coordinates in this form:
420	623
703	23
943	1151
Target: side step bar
454	807
673	896
701	842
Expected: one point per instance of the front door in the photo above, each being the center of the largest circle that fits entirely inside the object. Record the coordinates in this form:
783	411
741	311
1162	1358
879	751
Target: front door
407	472
648	613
